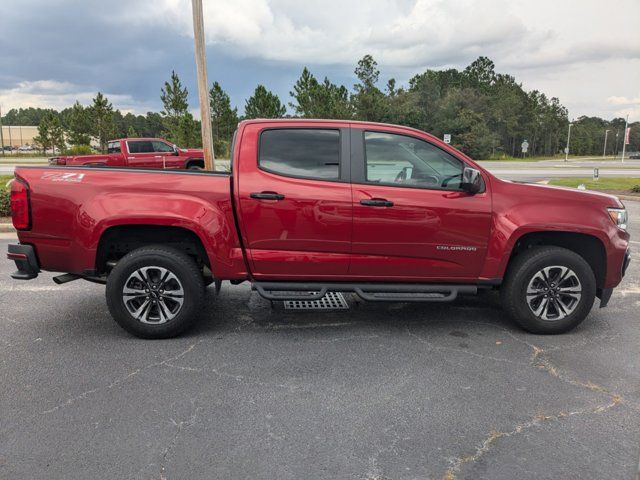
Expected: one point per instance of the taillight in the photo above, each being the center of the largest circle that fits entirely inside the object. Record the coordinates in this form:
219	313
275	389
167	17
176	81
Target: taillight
20	214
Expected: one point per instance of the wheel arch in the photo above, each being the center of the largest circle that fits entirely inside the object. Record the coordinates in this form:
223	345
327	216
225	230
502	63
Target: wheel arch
194	161
118	240
589	247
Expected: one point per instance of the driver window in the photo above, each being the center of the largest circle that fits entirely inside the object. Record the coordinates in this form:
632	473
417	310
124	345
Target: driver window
161	147
406	161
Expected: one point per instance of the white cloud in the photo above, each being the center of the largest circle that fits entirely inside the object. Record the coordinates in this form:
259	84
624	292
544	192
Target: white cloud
582	51
561	45
624	101
60	95
407	33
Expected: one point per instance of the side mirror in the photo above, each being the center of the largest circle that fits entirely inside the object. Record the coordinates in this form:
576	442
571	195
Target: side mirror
471	181
176	151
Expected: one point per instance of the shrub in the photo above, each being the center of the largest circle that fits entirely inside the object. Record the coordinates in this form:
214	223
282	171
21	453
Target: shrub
4	202
635	189
78	150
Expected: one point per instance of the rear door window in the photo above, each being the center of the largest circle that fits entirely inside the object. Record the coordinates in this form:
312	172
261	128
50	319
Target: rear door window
140	146
113	147
302	152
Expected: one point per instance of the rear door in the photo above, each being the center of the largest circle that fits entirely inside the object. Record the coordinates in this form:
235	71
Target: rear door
142	155
295	200
411	221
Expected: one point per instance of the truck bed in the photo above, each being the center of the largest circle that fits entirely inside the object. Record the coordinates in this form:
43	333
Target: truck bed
72	207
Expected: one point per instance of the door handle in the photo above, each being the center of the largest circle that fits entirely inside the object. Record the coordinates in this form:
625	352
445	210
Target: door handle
376	202
267	196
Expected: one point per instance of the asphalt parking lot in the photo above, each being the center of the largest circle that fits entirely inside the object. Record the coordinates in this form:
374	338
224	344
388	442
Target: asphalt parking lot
396	391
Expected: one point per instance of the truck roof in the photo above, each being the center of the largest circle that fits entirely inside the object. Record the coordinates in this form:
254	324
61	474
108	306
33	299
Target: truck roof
329	120
138	138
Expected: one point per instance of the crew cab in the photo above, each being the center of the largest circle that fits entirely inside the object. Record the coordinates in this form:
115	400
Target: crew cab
138	153
385	212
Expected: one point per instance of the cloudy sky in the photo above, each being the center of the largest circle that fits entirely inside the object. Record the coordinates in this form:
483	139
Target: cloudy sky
586	52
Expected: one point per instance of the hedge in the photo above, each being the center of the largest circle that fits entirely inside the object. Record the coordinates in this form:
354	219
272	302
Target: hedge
4	202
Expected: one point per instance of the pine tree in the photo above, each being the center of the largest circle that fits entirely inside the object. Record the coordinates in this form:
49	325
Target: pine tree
264	104
44	136
79	123
174	97
320	100
56	134
368	101
224	119
102	118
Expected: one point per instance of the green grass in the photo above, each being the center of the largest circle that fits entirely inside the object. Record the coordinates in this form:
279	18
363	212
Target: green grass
4	179
16	156
609	183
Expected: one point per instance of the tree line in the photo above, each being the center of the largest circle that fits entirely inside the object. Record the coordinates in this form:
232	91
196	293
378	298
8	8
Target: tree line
488	114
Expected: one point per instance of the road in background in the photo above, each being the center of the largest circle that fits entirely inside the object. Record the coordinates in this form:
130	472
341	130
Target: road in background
397	391
546	169
522	171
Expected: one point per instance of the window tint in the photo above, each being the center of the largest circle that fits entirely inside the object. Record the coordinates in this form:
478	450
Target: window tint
310	153
161	147
143	146
113	147
406	161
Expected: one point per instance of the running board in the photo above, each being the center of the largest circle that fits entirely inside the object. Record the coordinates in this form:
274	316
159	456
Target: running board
371	292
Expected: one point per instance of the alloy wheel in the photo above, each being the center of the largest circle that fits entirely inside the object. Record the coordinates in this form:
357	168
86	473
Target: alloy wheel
153	295
554	293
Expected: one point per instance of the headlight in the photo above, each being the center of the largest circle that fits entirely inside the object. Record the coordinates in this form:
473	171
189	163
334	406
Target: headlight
619	217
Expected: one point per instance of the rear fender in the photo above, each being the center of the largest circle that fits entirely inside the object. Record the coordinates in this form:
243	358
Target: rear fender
205	220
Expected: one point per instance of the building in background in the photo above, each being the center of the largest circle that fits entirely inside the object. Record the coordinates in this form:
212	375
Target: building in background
17	136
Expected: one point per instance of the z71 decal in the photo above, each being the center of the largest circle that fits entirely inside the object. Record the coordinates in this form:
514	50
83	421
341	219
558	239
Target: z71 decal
63	177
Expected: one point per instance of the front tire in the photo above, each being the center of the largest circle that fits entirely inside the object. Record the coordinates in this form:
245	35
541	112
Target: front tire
548	290
155	292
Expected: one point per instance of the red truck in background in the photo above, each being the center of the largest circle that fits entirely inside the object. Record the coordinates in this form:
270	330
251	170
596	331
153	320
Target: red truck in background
388	213
138	153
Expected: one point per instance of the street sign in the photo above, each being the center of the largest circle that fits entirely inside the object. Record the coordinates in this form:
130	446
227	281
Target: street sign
524	146
447	138
566	149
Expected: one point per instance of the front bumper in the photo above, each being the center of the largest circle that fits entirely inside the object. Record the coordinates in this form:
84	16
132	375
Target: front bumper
26	261
626	261
604	294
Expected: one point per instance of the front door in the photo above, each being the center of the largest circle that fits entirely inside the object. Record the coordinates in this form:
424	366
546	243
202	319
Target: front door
411	221
165	155
295	201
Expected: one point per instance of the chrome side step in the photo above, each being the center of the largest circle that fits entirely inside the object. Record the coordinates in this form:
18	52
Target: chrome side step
371	292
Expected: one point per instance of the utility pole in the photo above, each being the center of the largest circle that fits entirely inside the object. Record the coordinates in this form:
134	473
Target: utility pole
604	152
566	150
1	135
625	137
203	85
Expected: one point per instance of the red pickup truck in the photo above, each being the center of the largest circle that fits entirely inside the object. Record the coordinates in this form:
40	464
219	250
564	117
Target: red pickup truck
138	153
385	212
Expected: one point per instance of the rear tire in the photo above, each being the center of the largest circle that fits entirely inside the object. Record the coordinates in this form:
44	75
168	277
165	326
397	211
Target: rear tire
155	292
548	290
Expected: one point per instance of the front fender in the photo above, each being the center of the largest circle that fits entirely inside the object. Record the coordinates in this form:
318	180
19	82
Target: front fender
510	226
